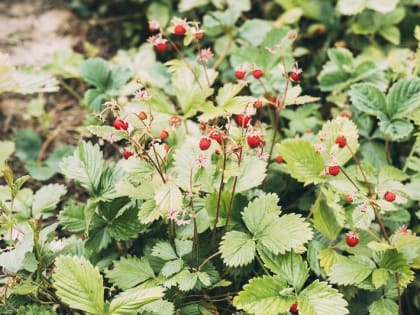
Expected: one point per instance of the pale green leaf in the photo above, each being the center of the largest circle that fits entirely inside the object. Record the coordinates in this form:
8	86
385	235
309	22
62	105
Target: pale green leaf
168	196
261	296
379	277
171	267
129	272
260	212
159	307
47	198
85	166
164	251
30	82
341	57
324	219
302	161
328	257
319	298
79	284
252	172
237	248
149	213
186	5
368	98
351	270
391	33
382	6
396	130
128	302
383	307
351	7
403	97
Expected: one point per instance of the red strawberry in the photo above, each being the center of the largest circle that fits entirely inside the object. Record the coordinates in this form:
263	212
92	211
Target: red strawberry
341	141
179	30
216	135
294	308
120	124
240	74
253	141
142	115
243	120
161	47
295	76
127	153
389	196
257	73
258	104
349	198
334	170
166	147
204	143
175	121
199	34
163	135
279	159
352	239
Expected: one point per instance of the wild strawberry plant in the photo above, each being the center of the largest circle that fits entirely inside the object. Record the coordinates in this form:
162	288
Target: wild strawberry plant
226	191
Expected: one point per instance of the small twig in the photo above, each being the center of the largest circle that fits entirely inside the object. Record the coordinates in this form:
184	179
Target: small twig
205	261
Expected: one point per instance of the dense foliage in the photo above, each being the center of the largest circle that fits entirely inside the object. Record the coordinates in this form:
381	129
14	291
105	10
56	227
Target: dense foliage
251	158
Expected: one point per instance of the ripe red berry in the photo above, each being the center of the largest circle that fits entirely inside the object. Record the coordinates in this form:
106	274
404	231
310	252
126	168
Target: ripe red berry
341	141
127	153
389	196
243	120
199	34
163	135
279	159
179	30
204	143
253	141
175	121
295	76
142	115
216	135
352	239
334	170
240	74
349	198
294	308
257	73
258	104
161	47
120	124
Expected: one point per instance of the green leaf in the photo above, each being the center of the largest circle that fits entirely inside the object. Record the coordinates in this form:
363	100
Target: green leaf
397	129
261	296
391	34
171	267
186	5
34	309
28	143
30	81
341	57
79	284
288	232
368	98
168	196
237	248
129	272
403	97
6	150
302	161
159	307
324	219
94	99
351	270
72	217
382	6
383	307
379	277
164	251
97	72
128	302
350	7
320	298
260	213
85	166
47	198
254	30
252	172
289	267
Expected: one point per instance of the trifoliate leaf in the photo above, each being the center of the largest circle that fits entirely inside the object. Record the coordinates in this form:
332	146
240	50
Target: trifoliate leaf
79	284
383	307
260	212
319	298
351	270
393	261
302	161
237	248
261	296
129	272
128	302
85	166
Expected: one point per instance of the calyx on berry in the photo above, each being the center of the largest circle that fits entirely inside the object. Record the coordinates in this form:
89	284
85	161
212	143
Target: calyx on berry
352	239
294	308
127	153
163	135
296	71
341	141
205	143
120	124
389	196
243	120
334	170
257	73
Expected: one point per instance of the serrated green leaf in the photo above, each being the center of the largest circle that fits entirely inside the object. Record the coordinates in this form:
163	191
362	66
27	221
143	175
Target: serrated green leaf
350	7
341	57
159	307
403	97
383	307
391	33
129	272
237	248
319	298
72	217
260	212
367	98
34	309
97	72
6	150
171	267
289	267
328	257
261	296
324	219
28	144
382	6
396	130
128	302
252	172
164	251
351	270
379	277
302	161
168	196
47	198
79	284
85	166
